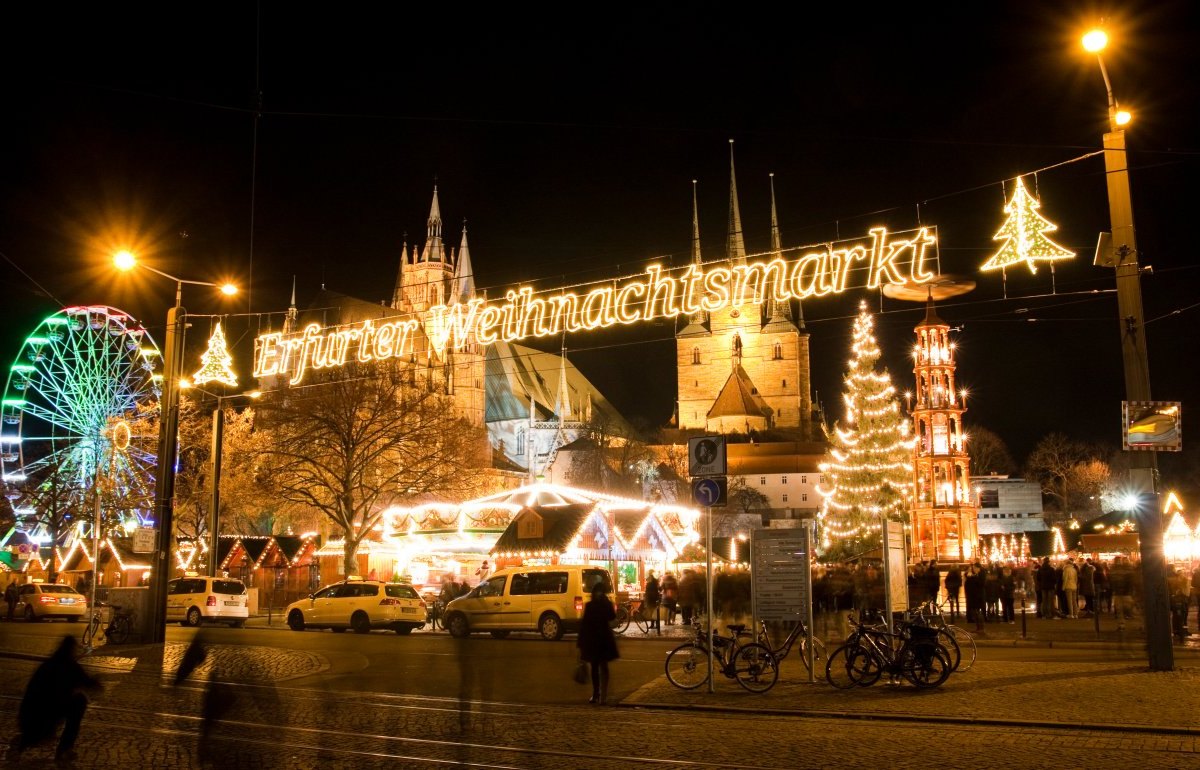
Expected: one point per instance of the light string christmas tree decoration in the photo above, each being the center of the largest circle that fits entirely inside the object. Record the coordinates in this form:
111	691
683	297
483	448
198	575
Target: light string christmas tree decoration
1024	234
216	363
868	476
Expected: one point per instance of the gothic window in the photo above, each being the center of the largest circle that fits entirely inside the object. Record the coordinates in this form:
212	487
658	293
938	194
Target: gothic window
778	352
804	497
804	479
762	481
695	355
521	443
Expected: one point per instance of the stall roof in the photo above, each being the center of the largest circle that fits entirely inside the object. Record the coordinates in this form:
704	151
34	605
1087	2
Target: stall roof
559	525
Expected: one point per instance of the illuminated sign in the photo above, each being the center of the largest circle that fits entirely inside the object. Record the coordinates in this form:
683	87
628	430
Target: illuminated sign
880	259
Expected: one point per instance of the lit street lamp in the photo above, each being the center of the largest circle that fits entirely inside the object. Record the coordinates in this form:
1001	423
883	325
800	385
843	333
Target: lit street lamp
1142	465
168	427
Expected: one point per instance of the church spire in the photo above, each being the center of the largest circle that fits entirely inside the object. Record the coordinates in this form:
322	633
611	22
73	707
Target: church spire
735	246
289	321
699	317
433	233
464	275
563	407
777	310
398	292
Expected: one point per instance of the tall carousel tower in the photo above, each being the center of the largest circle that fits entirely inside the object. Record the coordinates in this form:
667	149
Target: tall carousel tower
944	517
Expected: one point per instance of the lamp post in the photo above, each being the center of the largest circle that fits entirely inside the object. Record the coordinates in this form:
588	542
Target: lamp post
1142	465
168	429
215	455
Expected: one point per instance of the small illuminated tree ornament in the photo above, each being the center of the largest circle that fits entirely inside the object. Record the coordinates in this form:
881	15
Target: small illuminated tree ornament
216	363
1024	235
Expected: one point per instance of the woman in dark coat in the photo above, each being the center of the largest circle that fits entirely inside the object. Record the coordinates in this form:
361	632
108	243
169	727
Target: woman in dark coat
596	642
973	586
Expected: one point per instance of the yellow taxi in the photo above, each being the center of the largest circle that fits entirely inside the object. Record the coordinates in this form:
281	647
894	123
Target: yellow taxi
359	604
41	601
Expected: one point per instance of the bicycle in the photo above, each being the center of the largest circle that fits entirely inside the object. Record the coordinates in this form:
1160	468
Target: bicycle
913	653
435	615
92	627
628	615
121	625
958	641
751	664
798	631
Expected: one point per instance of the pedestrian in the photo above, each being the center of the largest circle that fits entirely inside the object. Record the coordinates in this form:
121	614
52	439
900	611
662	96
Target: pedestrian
482	573
596	643
54	696
10	596
1008	589
1087	587
651	597
670	592
1120	579
1196	591
933	580
991	592
973	586
687	595
1178	588
1045	587
953	586
1070	586
1103	591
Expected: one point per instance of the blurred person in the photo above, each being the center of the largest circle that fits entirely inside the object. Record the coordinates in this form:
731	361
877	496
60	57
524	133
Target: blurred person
10	596
1120	578
54	696
1196	591
670	594
482	573
688	595
1070	587
973	585
991	592
953	586
596	642
1103	590
1178	588
218	694
933	580
1007	585
651	597
1045	588
1087	587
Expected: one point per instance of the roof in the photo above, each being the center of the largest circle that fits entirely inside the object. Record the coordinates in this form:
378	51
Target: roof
738	398
559	525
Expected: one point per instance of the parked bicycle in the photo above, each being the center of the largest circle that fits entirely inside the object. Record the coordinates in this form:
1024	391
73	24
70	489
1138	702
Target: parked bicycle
119	628
751	664
912	653
629	613
435	615
92	627
798	631
958	641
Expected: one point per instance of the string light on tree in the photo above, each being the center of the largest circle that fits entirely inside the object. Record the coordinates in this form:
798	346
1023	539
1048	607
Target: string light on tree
1024	234
216	364
869	471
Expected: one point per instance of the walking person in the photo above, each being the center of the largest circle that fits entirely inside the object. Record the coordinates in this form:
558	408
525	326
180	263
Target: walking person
670	594
1087	587
1070	587
933	580
1178	588
54	696
687	595
651	597
10	596
991	592
1120	580
1008	590
973	586
596	642
1045	587
953	586
1196	591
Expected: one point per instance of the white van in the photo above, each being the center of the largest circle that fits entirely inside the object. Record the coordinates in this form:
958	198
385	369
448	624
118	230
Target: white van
195	599
547	599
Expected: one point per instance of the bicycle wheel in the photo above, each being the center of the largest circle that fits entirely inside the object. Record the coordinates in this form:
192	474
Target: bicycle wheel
953	652
837	668
927	669
89	631
118	630
966	644
755	668
818	652
621	624
687	666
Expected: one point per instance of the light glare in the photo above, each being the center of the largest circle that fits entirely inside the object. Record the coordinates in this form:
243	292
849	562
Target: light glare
1123	117
124	260
1095	41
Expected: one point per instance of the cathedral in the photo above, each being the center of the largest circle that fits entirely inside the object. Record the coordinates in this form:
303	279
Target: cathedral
743	370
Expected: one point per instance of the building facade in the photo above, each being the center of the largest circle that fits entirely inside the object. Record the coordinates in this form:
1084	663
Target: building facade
1008	506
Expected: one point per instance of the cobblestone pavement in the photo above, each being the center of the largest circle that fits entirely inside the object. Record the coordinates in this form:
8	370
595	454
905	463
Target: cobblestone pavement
242	663
139	724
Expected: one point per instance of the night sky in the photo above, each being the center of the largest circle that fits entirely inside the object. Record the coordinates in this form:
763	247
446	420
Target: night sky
568	136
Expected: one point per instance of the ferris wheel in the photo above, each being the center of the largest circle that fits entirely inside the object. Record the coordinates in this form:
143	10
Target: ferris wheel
79	419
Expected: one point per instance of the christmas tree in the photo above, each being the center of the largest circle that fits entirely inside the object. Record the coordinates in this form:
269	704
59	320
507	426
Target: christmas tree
1024	234
868	475
216	363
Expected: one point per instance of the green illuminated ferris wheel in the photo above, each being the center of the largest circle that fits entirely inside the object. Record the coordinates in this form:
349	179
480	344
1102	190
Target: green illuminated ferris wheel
79	420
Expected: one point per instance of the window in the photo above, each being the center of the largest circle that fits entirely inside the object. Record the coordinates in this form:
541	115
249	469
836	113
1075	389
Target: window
989	498
785	479
804	479
785	384
494	587
326	593
762	481
401	592
228	587
804	497
521	585
695	355
785	498
821	479
549	582
778	352
521	443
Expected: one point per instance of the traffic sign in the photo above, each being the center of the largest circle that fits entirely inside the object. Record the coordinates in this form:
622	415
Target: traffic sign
706	456
143	539
712	493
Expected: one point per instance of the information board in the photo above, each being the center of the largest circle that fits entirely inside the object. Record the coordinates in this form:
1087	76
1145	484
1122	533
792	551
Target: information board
782	573
897	566
144	539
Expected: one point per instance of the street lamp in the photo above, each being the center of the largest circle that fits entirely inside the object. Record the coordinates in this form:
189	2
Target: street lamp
215	455
1142	465
168	427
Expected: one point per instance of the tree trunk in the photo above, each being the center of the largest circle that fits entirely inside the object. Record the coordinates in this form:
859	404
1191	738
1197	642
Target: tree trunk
349	549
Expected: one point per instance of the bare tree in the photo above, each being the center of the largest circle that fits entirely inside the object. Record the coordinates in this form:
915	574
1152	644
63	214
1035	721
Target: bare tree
989	454
747	499
1070	472
610	460
362	438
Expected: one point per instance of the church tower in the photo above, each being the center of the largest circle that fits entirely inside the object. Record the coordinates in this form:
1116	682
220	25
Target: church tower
742	369
944	517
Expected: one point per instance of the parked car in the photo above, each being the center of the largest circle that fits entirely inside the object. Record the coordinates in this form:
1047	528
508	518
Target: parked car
547	599
194	599
361	605
42	601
